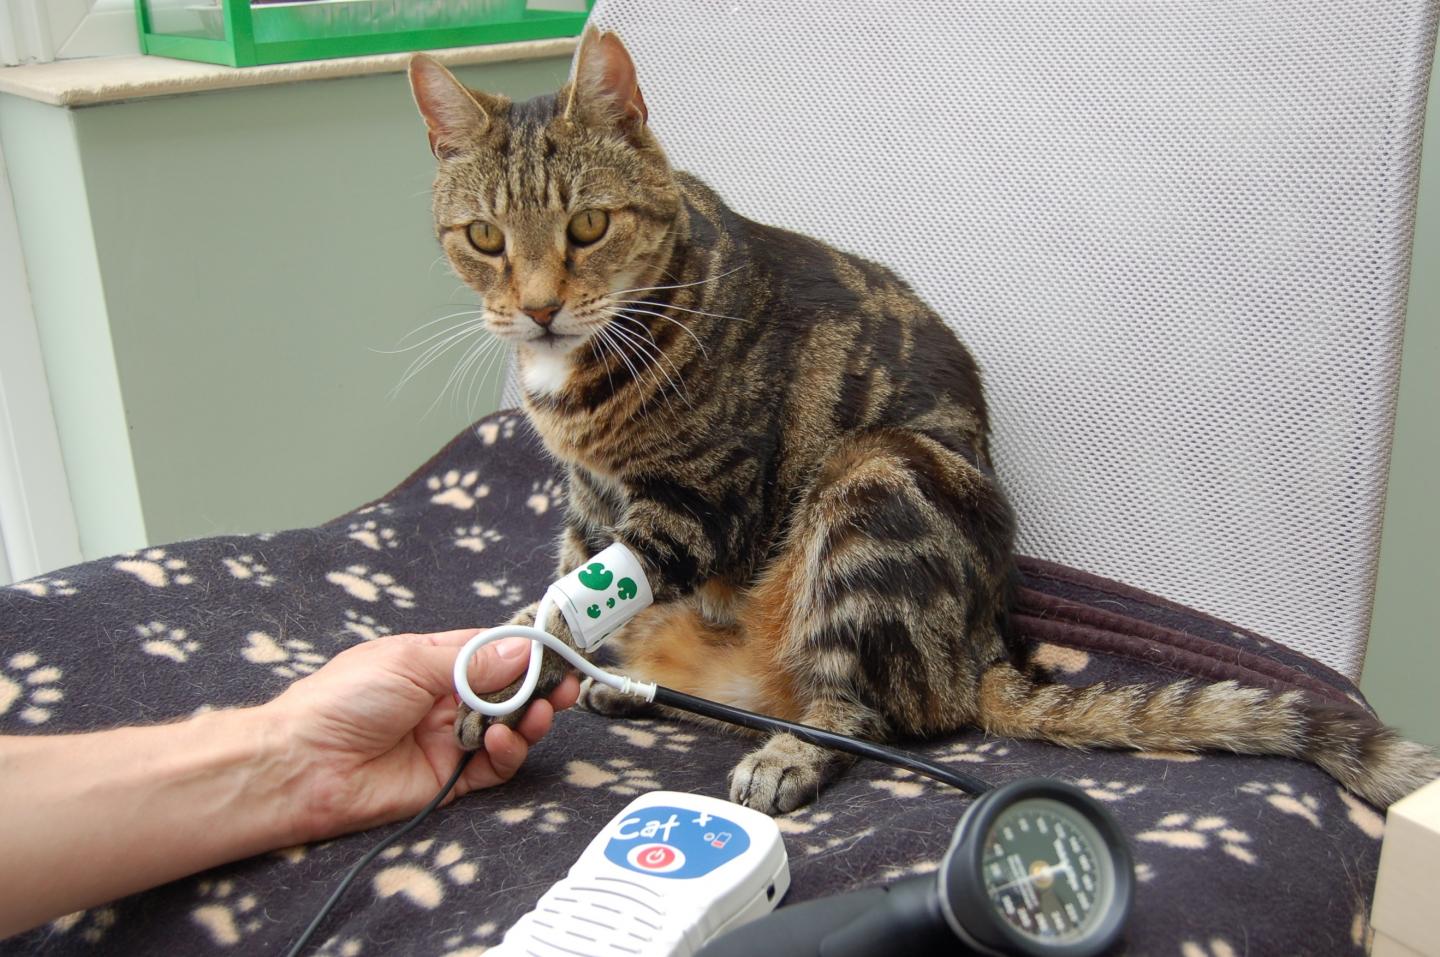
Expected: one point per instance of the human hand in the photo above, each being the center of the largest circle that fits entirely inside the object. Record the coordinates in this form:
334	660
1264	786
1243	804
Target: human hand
370	733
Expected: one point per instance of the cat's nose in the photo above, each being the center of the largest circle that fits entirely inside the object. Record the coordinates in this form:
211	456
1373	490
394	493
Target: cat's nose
543	315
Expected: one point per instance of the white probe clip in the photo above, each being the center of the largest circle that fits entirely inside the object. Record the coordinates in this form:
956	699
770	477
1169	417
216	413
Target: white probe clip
595	600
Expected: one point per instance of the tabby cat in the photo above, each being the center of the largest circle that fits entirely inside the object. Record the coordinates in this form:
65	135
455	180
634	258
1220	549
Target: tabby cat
794	445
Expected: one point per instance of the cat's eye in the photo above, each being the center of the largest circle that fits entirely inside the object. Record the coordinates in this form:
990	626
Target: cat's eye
587	226
486	237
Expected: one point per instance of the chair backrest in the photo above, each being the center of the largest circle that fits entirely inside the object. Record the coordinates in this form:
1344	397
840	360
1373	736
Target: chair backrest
1176	236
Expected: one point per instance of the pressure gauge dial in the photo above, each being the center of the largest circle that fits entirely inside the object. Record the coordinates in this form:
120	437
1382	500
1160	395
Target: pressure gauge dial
1037	867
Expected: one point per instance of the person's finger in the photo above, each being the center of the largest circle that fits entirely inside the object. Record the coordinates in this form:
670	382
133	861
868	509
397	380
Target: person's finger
566	693
506	751
430	661
536	721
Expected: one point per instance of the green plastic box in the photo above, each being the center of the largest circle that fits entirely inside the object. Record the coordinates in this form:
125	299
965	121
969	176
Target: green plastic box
235	33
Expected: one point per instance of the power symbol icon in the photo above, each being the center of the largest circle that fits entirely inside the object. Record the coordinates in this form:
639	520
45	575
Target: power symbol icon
657	858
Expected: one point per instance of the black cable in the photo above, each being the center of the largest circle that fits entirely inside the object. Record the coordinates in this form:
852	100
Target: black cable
825	739
374	852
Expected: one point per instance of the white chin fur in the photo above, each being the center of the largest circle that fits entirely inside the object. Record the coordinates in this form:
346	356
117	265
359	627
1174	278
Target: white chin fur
543	371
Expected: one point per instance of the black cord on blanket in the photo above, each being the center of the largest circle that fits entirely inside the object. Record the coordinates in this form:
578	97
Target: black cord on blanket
374	852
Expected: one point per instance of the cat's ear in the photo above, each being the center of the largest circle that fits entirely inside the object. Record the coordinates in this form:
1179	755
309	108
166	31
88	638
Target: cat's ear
457	117
604	90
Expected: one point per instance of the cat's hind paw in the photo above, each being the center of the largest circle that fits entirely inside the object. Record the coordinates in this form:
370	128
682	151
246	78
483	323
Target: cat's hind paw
602	699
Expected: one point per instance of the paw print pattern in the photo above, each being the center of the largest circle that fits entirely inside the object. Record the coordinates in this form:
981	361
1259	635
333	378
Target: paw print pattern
901	783
1362	815
1109	791
226	917
1195	834
546	818
910	870
89	925
247	569
803	820
335	947
960	751
24	682
1144	873
650	734
500	588
45	587
456	490
291	659
155	569
618	776
496	429
1283	797
373	535
545	495
1215	947
481	939
159	639
380	509
363	626
1058	658
366	585
420	877
476	537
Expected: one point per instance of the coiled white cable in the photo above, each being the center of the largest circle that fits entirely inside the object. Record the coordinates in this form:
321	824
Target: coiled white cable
521	697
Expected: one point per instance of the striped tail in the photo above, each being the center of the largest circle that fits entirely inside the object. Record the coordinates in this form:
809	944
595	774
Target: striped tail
1361	753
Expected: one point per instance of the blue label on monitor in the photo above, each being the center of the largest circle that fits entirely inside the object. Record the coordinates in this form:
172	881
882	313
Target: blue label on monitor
674	842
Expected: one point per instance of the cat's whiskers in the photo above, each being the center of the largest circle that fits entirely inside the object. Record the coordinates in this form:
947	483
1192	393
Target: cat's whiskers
671	305
471	315
652	352
683	285
425	359
627	310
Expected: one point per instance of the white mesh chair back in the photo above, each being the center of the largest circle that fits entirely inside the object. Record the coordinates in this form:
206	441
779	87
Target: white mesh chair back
1176	236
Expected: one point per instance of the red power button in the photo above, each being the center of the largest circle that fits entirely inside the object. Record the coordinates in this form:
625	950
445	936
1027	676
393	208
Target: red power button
657	858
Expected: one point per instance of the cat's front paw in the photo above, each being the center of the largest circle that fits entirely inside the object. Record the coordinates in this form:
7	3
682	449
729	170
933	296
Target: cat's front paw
602	699
784	774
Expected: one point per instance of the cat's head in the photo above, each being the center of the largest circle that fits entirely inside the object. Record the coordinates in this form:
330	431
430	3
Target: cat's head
554	208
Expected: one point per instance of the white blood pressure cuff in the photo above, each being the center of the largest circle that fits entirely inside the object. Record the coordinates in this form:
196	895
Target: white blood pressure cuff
601	595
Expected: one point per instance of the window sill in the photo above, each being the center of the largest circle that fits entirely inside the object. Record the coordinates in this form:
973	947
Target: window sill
88	82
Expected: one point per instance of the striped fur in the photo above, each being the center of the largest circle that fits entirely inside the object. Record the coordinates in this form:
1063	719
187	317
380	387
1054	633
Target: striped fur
797	448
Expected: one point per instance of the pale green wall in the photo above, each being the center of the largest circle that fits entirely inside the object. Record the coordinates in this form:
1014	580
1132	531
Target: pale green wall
1402	666
257	247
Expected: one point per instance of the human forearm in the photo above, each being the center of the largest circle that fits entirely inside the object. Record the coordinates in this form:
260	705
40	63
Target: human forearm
88	818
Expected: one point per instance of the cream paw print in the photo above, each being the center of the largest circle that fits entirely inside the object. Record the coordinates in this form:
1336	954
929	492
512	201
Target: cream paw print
1284	798
1144	873
1362	815
335	947
33	688
803	820
545	495
838	843
618	776
291	658
457	490
247	569
45	587
1196	834
476	537
226	916
901	784
89	925
972	753
159	639
1053	658
650	734
546	818
1214	947
360	582
500	588
421	877
1109	791
919	867
373	535
381	508
364	627
153	567
479	940
497	429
